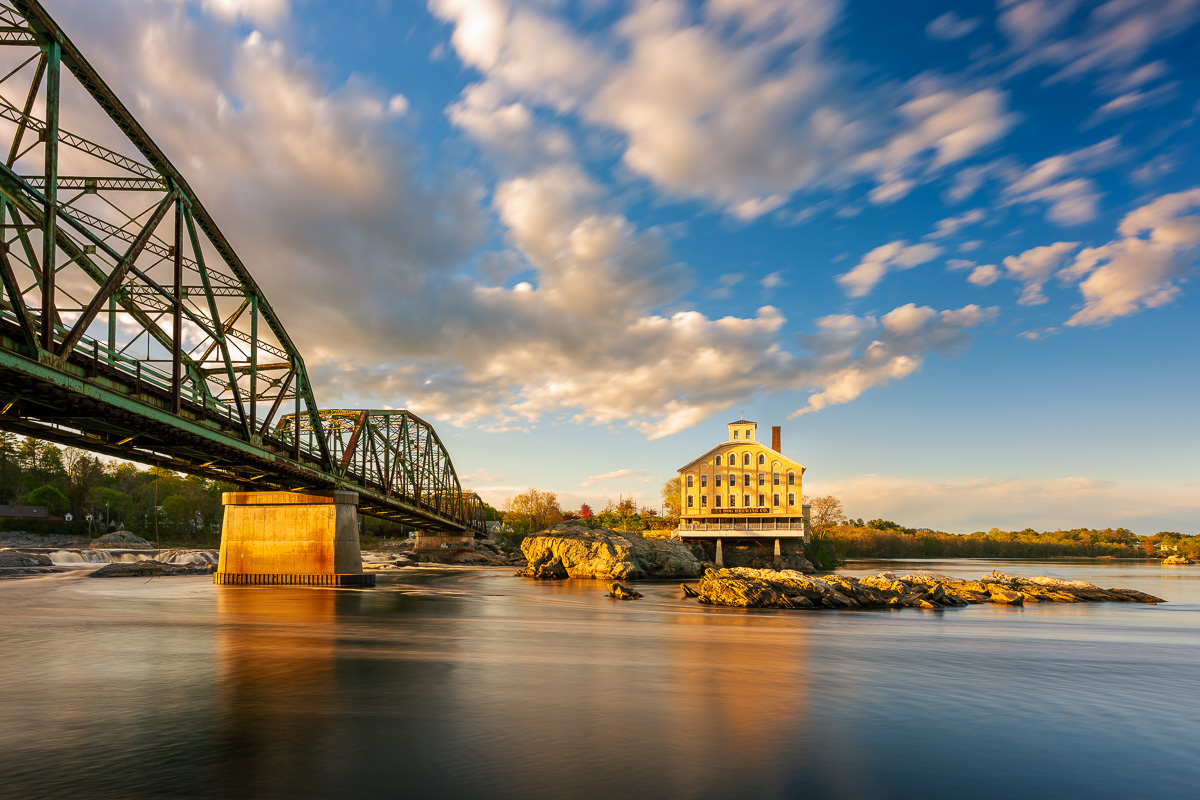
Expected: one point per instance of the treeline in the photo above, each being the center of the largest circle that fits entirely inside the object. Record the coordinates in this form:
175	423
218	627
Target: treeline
153	503
535	510
883	539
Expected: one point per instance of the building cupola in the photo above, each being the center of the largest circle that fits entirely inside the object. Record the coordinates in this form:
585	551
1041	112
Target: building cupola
742	431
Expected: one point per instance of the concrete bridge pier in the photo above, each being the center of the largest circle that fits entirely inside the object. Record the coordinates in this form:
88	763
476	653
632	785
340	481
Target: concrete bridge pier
778	555
720	559
291	538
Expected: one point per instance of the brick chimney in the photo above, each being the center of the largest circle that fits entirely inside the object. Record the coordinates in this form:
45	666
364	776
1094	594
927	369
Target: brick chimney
775	439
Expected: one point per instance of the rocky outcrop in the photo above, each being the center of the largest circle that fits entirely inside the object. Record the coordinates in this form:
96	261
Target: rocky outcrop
15	558
577	551
623	592
1177	560
762	588
149	568
122	539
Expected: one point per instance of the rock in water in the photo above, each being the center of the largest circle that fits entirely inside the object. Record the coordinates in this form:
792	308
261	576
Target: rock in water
123	539
763	588
623	592
15	558
584	552
148	568
1006	597
688	591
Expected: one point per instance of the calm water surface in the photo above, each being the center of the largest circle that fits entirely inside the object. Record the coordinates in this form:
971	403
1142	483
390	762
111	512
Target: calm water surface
473	683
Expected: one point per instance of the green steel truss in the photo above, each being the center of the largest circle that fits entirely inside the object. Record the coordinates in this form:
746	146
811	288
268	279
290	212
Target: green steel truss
129	325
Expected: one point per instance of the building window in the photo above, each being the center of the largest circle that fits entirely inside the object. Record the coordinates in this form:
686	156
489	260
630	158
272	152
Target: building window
691	501
703	500
746	500
717	479
762	459
745	479
718	461
775	499
733	501
791	498
750	434
717	501
791	479
762	500
735	433
776	481
762	479
690	479
703	481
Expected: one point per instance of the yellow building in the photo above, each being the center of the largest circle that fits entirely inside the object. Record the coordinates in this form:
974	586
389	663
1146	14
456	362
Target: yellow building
743	489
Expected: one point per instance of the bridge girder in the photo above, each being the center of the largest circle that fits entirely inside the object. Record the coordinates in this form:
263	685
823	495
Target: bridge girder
130	326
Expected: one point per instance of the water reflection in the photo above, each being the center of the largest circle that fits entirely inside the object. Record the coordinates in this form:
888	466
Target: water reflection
468	684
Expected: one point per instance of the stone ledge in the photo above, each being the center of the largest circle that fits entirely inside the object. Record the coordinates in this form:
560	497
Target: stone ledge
259	579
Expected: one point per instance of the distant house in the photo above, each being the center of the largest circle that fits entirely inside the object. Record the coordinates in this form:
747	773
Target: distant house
26	512
743	489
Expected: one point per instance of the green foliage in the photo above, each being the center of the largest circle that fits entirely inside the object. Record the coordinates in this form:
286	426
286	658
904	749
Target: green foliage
55	501
532	510
890	540
156	504
672	497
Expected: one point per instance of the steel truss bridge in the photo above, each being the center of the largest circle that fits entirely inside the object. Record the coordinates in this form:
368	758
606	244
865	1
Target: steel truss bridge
129	326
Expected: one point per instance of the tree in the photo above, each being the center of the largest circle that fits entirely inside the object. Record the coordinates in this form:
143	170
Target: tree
826	511
55	501
585	511
531	511
672	497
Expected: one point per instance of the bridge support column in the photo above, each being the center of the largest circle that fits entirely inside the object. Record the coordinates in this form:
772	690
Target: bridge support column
720	560
778	555
288	538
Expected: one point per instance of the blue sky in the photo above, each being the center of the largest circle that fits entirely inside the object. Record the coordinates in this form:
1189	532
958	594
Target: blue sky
951	248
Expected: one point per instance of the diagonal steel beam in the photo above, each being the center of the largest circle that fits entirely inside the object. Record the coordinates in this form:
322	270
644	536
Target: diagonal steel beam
115	278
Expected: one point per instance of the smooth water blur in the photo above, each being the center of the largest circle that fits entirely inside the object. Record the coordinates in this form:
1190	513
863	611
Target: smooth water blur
473	683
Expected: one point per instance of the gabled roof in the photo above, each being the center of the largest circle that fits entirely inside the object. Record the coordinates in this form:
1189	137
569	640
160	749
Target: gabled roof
742	422
742	446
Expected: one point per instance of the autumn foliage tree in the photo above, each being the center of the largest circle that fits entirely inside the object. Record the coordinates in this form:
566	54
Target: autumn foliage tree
532	510
672	497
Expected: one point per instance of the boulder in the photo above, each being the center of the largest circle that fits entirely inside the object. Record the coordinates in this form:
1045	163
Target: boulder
623	592
583	552
721	588
1177	560
15	558
1007	597
121	539
688	591
148	568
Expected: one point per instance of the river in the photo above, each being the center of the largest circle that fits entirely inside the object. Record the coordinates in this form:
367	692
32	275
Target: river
448	683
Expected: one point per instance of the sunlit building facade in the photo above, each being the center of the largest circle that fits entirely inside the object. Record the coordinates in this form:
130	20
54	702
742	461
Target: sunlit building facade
742	488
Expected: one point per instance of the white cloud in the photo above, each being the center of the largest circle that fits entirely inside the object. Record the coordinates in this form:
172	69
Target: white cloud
1110	42
772	281
621	475
952	225
942	126
853	354
302	174
1071	200
1134	100
950	26
262	12
897	255
1034	267
984	275
1144	268
726	282
774	115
